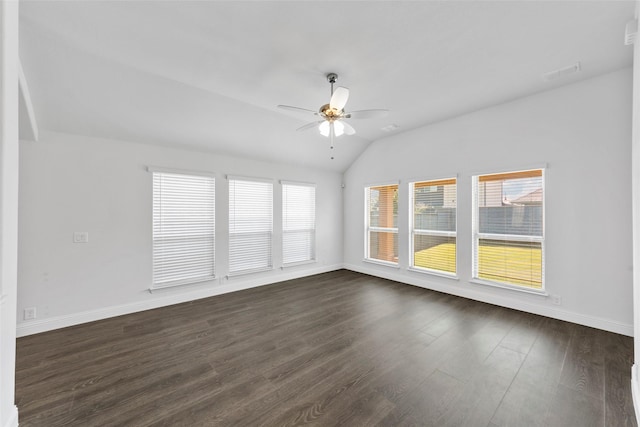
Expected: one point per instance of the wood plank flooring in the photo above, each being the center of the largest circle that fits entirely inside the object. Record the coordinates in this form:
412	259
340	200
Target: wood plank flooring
339	348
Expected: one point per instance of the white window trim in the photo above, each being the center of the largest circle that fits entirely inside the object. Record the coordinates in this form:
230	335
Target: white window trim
302	184
476	236
315	242
367	228
382	262
520	168
516	288
252	270
431	272
201	280
245	272
297	263
248	178
180	171
384	229
413	231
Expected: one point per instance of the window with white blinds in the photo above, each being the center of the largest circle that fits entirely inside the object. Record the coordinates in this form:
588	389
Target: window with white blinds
250	225
433	231
298	223
183	228
508	228
382	223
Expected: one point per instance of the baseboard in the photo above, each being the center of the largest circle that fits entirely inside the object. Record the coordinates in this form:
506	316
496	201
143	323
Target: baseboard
635	391
12	420
247	282
470	293
173	296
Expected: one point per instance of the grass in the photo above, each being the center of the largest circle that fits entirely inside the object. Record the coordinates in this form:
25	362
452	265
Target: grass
505	264
441	258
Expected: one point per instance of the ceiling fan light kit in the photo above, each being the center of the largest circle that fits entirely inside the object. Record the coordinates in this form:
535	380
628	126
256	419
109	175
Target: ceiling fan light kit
332	124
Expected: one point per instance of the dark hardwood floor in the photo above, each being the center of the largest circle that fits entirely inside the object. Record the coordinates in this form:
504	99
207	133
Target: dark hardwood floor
339	348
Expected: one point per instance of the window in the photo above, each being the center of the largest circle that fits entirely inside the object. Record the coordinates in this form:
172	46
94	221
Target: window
382	223
250	225
433	231
298	223
508	228
183	228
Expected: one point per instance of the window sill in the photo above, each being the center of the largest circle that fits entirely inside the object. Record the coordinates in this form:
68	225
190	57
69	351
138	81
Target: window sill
245	272
198	281
383	263
433	273
295	264
510	287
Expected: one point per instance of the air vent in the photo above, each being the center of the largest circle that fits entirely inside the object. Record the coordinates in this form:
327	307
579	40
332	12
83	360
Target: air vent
390	128
630	32
562	72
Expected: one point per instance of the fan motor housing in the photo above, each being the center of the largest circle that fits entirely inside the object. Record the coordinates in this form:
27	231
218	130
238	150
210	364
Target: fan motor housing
330	113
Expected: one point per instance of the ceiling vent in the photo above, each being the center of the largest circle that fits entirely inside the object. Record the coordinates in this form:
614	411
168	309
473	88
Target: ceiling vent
390	128
630	32
562	72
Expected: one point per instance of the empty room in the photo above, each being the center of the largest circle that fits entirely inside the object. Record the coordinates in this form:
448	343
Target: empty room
330	213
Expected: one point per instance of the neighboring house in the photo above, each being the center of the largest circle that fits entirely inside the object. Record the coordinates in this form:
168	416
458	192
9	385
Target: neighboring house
532	199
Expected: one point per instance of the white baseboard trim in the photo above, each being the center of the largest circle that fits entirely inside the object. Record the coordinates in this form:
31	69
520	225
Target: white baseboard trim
635	390
171	297
471	293
12	420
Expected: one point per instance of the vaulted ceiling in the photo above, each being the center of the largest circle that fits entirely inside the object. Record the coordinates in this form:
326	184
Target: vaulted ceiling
208	75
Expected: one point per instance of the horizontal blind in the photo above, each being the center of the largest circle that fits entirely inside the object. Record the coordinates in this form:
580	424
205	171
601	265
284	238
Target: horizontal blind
298	223
183	229
250	225
509	229
382	218
434	225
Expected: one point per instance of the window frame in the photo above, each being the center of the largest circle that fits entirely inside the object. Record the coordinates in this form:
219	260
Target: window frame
269	265
477	236
413	231
313	248
155	171
368	228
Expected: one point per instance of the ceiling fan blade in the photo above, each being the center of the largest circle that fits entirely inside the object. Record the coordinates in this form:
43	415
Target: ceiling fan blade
367	114
339	98
297	109
310	125
348	129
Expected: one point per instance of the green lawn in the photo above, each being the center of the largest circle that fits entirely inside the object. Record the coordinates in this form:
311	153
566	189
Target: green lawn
441	258
508	264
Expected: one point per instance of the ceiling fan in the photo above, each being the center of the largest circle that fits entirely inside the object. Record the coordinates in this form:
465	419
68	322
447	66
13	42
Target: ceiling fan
332	124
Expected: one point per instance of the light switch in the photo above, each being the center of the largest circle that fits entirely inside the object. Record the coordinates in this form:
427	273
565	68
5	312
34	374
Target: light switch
80	237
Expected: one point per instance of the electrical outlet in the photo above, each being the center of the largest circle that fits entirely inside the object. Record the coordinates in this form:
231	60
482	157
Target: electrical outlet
29	313
80	237
556	299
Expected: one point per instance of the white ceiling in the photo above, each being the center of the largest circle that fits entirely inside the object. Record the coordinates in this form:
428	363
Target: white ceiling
210	74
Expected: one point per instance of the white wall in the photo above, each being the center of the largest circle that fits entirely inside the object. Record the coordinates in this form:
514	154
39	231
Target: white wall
8	207
71	183
582	132
635	167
